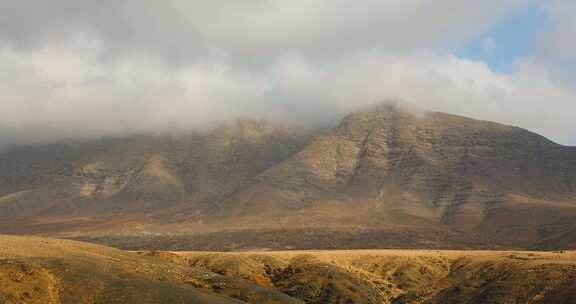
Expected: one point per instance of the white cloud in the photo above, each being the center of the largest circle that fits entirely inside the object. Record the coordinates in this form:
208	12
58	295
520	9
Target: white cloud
65	88
529	97
85	68
65	91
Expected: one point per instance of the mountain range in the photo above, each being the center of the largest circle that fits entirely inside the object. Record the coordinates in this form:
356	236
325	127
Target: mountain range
384	177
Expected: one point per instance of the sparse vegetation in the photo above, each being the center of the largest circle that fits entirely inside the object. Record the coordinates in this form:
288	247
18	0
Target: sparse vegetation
50	271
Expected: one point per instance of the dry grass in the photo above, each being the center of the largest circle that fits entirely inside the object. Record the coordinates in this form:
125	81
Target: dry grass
40	270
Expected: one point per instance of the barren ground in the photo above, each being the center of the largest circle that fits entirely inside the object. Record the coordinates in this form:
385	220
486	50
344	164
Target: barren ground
40	270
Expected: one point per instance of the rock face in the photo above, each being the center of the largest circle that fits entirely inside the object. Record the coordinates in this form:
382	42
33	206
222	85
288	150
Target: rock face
384	177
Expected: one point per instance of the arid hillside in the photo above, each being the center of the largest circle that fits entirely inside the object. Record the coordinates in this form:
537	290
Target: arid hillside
51	271
401	276
386	177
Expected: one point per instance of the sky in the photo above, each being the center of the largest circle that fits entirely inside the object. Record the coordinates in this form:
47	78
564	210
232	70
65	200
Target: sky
79	68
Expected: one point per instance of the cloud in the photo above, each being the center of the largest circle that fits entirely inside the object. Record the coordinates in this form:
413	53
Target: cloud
529	97
66	91
80	68
251	30
558	44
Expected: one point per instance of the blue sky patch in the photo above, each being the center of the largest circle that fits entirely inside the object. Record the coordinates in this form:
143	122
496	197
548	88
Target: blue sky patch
511	39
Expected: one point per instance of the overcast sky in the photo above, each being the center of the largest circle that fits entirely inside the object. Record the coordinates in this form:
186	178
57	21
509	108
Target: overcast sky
94	68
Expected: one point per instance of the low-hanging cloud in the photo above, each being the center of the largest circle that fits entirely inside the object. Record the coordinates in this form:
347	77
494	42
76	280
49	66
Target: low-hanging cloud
82	70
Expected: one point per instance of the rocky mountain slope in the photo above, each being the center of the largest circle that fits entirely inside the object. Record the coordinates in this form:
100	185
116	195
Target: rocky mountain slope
126	184
51	271
384	177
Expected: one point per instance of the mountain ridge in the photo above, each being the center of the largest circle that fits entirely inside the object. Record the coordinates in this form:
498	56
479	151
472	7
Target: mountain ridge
393	176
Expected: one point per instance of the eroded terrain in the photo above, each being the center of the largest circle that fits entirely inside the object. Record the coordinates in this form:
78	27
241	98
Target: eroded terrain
41	270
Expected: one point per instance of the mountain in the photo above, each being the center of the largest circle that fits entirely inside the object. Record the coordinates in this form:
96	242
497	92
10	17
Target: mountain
37	270
383	177
124	184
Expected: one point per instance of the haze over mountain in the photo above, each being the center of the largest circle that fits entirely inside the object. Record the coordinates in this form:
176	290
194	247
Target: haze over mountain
383	177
